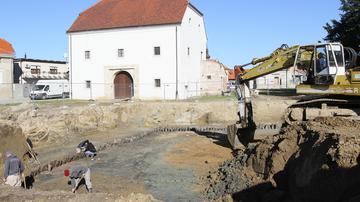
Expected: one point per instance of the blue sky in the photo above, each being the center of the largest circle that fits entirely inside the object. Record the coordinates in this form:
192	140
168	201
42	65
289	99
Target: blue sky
237	30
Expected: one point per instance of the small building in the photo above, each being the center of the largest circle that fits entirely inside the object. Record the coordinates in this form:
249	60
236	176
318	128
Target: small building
7	55
214	78
284	79
29	71
231	79
143	49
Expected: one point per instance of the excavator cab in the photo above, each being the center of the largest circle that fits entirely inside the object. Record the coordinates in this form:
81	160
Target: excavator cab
320	63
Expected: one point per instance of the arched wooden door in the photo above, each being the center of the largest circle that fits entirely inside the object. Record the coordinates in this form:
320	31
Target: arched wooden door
123	86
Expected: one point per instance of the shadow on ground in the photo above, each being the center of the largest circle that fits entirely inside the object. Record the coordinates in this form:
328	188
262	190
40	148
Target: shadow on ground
330	183
220	138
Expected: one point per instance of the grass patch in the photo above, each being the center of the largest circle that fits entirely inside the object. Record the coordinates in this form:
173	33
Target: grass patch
5	106
210	98
60	102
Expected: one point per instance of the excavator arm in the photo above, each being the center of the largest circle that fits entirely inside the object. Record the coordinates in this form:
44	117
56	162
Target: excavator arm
282	58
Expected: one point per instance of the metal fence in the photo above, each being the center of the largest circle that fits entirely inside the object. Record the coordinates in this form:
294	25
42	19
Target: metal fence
88	90
147	91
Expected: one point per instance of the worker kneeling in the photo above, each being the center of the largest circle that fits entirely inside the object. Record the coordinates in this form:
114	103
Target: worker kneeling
76	175
13	170
87	147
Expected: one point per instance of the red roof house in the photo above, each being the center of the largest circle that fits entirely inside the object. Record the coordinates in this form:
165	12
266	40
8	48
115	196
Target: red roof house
6	48
110	14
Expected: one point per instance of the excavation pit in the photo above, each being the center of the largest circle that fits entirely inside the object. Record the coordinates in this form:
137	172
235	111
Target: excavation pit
166	165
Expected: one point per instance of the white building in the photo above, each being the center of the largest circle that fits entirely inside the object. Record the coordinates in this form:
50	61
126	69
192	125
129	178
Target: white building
214	78
145	49
32	70
284	79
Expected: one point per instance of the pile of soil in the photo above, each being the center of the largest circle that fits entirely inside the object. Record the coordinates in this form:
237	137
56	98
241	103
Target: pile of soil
309	161
12	140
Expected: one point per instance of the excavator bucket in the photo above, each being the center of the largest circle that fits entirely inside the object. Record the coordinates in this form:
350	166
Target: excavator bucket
268	116
232	136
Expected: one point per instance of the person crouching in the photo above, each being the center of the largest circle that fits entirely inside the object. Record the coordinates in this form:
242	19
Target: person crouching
76	174
87	147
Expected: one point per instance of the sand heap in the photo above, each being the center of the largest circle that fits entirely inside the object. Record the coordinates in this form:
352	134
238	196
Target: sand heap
310	161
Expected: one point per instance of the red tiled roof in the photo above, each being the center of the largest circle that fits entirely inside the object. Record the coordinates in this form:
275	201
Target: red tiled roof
231	74
6	47
108	14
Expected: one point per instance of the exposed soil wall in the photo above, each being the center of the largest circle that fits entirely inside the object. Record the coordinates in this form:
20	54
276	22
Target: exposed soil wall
309	161
51	124
11	139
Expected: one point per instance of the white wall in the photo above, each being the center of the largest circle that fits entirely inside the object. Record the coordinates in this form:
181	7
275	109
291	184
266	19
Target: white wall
213	78
138	44
6	73
192	34
277	80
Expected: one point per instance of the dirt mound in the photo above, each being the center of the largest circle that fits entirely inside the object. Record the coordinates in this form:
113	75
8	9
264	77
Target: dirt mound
309	161
11	139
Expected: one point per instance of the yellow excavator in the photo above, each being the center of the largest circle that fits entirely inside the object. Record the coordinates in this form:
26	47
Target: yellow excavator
330	83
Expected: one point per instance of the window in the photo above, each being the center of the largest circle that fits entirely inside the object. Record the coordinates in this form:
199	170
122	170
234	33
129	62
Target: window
188	51
88	84
157	50
157	83
87	55
121	53
321	59
338	56
208	76
53	70
35	71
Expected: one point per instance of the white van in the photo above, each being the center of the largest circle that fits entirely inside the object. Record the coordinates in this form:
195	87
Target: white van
45	89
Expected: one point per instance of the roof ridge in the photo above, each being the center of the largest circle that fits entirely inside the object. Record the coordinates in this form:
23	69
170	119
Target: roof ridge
99	1
112	14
